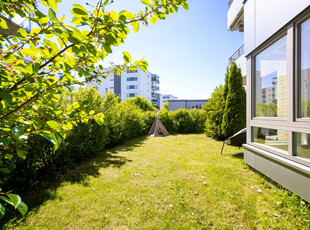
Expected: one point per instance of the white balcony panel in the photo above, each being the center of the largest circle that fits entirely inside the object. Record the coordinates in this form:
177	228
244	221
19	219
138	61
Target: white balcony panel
263	18
234	14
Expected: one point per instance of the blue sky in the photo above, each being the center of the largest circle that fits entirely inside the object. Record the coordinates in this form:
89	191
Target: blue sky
189	50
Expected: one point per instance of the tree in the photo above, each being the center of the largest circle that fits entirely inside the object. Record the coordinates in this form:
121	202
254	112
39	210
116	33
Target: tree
214	113
36	67
142	103
234	117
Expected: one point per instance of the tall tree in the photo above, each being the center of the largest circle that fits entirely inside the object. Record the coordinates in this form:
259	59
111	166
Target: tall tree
234	117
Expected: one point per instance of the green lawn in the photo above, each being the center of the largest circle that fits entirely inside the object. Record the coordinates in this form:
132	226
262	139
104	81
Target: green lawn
176	182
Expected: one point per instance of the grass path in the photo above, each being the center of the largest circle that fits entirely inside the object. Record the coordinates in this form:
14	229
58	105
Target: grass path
177	182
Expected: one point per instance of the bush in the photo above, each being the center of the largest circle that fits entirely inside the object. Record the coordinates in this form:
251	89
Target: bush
122	121
234	117
214	114
183	121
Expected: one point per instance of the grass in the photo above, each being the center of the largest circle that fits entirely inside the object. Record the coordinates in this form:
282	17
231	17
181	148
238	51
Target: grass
176	182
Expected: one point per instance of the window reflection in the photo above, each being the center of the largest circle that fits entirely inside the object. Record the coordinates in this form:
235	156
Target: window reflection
304	70
302	141
270	81
271	138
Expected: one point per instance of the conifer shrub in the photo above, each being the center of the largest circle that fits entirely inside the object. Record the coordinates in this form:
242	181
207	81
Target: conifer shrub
234	116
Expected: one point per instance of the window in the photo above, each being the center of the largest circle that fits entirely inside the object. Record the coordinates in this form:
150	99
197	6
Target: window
270	81
131	95
304	70
132	87
302	148
130	71
271	138
132	79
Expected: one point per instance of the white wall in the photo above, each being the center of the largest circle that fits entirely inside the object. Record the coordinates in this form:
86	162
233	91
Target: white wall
263	18
166	97
233	11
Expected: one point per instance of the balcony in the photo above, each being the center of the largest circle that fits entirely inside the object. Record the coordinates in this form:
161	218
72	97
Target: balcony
235	18
240	60
14	24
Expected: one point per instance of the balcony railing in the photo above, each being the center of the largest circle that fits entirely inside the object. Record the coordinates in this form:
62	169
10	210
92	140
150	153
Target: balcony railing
229	3
237	54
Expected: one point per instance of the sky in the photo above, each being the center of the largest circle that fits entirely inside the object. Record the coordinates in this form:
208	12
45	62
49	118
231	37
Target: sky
189	51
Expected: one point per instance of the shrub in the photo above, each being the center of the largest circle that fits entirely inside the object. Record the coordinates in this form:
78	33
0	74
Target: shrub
122	121
183	121
234	117
214	109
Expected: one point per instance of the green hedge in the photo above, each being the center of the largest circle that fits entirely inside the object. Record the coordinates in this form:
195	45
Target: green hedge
183	121
122	121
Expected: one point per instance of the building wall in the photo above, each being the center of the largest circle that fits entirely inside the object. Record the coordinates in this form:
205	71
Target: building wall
186	104
166	97
276	156
262	18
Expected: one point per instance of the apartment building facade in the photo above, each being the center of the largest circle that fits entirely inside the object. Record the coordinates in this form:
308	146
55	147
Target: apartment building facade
277	57
130	84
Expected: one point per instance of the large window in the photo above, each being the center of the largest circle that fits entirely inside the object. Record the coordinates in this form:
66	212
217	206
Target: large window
270	81
271	138
304	69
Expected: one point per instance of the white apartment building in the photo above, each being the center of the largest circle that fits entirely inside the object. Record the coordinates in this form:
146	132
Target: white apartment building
277	64
129	84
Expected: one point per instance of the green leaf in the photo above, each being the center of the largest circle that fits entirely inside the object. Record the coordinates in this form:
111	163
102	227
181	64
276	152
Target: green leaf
127	57
67	126
146	2
3	24
6	96
99	118
52	4
7	200
22	208
135	26
8	156
21	32
92	112
53	124
29	52
79	10
184	5
154	18
52	15
2	211
14	198
21	153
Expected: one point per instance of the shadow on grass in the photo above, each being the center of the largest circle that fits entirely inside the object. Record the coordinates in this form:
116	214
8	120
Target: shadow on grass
45	191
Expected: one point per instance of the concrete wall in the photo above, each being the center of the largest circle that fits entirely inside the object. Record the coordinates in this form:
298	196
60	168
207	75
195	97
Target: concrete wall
186	104
262	18
233	12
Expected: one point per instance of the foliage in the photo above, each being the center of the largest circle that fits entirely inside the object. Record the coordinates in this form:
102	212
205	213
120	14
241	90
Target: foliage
264	110
214	111
234	116
141	102
36	67
122	121
166	105
183	120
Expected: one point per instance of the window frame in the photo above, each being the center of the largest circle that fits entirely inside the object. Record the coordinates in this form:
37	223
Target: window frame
265	46
297	63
